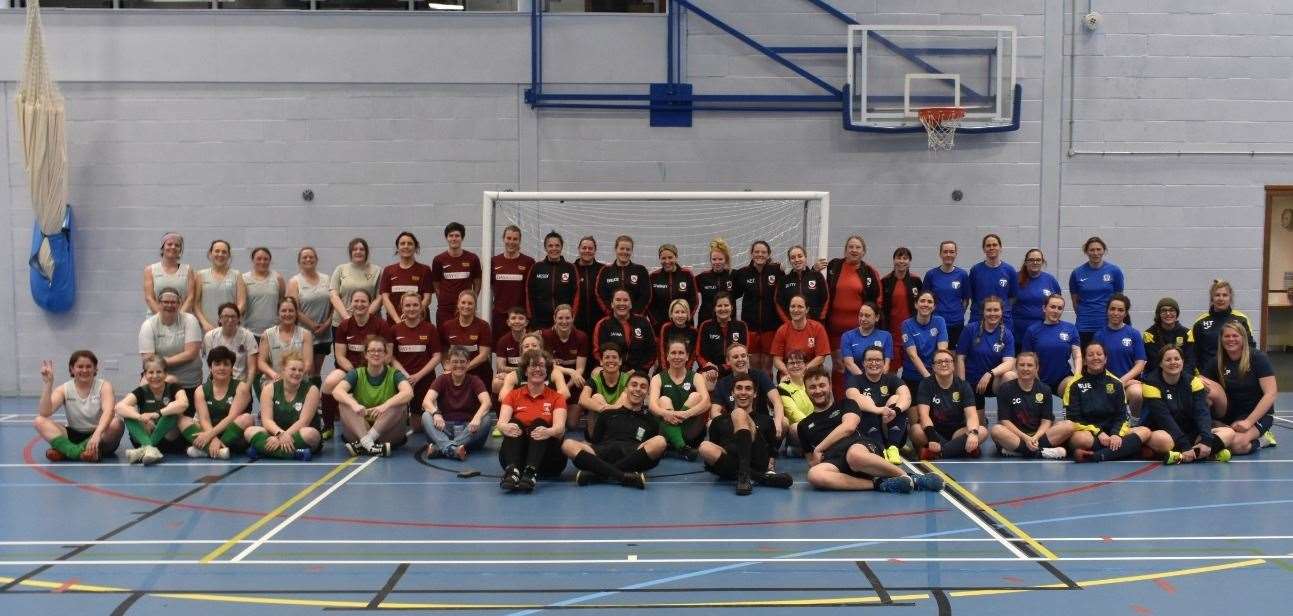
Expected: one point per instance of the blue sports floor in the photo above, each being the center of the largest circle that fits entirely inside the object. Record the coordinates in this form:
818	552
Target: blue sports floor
1017	537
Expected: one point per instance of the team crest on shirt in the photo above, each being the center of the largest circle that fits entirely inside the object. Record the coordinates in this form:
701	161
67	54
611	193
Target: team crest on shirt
637	332
167	399
633	278
1064	336
728	285
1107	278
771	279
868	281
415	278
1002	282
996	347
812	342
956	284
904	339
736	337
547	407
878	344
933	331
565	276
956	396
812	284
1180	341
297	406
682	285
1039	397
423	338
521	268
686	386
1126	342
1046	292
884	390
1108	388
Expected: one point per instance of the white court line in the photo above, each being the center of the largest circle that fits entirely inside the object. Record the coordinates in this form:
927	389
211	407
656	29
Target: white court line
300	512
1010	547
222	464
9	417
1287	421
800	540
646	561
1105	463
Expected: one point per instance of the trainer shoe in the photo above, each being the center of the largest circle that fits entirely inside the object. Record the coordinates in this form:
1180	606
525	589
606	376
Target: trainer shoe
222	454
54	455
743	485
774	479
152	455
496	433
1221	456
379	449
354	448
1173	457
901	484
585	478
634	480
86	456
511	477
194	452
253	454
891	454
529	478
326	434
928	454
303	454
1054	453
928	482
1084	455
135	456
1268	438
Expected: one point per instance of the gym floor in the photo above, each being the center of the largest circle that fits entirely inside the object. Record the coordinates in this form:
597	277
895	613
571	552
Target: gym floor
1008	537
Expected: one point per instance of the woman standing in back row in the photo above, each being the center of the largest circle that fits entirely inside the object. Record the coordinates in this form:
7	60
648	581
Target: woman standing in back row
1091	285
718	279
851	282
265	288
757	285
218	285
1036	286
169	273
992	277
899	290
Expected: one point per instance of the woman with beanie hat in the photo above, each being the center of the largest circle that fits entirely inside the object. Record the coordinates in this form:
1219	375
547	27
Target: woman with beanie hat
1167	330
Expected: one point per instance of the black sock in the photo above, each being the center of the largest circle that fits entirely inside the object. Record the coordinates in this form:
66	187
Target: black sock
743	442
1025	452
511	451
895	434
1043	442
1130	448
954	448
536	451
587	461
636	462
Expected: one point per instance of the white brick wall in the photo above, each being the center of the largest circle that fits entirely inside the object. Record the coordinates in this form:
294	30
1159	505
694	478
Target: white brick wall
214	124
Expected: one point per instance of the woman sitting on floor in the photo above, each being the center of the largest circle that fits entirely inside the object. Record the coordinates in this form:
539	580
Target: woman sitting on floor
92	430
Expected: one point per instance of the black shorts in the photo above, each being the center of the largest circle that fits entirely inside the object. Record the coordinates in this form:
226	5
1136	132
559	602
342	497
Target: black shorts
613	451
954	335
77	436
947	432
838	454
726	467
321	350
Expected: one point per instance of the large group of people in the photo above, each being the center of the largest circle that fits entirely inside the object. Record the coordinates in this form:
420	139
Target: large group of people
612	366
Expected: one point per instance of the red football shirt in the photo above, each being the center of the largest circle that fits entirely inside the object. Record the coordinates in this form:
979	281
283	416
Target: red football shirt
812	340
452	275
507	282
474	336
565	352
414	346
353	336
527	409
396	281
509	348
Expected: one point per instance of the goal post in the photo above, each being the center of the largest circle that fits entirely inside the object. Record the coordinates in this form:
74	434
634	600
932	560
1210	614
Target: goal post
689	220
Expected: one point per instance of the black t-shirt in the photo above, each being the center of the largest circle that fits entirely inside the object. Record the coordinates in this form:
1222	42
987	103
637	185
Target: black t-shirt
1025	409
814	428
722	394
946	406
1242	392
623	425
878	391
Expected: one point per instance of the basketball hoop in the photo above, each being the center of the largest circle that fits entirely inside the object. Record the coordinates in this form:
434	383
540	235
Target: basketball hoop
940	125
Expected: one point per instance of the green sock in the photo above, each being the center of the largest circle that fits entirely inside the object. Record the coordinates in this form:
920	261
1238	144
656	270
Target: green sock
191	433
164	426
138	433
232	438
673	434
299	442
65	446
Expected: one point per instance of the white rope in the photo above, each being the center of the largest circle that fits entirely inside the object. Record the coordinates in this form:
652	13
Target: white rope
41	121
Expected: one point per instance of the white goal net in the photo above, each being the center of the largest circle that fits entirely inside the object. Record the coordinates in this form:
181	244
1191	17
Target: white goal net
689	220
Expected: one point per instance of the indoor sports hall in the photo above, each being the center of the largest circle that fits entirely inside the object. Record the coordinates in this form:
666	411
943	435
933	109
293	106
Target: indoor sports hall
246	148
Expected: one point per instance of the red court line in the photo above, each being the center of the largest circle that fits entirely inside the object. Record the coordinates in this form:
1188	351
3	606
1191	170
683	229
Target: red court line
28	459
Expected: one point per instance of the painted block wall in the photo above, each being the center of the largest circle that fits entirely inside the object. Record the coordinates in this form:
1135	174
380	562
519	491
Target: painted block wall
213	124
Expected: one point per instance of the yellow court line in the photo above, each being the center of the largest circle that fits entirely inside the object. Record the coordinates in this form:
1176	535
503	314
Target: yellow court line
994	514
287	504
260	600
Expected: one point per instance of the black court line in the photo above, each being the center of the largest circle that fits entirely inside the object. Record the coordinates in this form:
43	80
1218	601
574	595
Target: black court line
125	605
1022	544
206	483
389	586
944	606
876	586
421	457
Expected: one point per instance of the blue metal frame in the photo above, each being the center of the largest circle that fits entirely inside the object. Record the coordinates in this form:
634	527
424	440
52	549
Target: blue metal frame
672	100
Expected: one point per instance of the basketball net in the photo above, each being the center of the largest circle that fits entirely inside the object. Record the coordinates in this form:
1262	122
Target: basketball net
940	125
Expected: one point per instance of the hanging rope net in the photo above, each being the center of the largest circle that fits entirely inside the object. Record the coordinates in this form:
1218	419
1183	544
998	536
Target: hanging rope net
41	119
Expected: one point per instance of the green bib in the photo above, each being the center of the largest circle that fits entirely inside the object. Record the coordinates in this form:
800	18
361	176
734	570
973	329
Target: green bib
609	394
370	395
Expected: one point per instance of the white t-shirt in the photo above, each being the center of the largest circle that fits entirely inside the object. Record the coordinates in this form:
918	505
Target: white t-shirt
243	344
164	340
